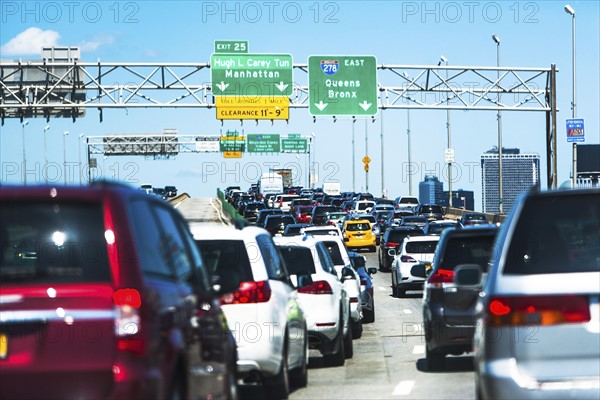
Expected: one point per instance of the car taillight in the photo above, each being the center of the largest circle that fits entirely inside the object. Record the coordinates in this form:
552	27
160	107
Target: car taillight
318	287
391	245
538	310
363	282
441	276
128	321
407	259
248	292
353	300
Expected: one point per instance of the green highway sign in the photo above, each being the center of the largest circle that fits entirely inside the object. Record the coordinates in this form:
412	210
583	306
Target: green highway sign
232	144
231	46
250	75
342	85
263	143
293	145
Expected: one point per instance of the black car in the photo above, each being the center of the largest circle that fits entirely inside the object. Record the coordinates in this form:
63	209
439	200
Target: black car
171	191
320	213
295	229
448	309
473	218
251	210
430	211
275	224
264	213
391	239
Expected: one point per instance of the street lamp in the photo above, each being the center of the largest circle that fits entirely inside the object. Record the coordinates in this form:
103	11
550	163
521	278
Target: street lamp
445	60
496	39
80	167
353	158
24	124
65	133
409	168
313	176
45	169
571	11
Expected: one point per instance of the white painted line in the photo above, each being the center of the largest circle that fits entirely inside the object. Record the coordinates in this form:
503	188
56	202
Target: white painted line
407	311
403	388
419	349
382	289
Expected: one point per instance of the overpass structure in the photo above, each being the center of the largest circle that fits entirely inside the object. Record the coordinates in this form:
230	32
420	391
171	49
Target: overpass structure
71	88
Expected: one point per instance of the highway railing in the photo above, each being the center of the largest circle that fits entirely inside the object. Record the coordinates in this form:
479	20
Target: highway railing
456	213
229	211
179	198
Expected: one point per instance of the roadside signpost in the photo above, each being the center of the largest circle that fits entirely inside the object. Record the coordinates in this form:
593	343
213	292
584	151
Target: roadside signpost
575	130
207	144
231	46
232	145
342	85
294	143
257	107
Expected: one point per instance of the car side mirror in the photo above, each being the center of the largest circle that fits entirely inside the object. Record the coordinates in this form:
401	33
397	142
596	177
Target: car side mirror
346	240
419	270
392	252
468	275
372	270
347	274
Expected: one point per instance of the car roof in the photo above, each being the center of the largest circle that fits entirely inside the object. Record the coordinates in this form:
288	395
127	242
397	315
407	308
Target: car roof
203	231
422	238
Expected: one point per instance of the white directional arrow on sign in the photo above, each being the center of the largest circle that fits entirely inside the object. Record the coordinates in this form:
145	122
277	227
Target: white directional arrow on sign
281	86
320	105
222	86
364	105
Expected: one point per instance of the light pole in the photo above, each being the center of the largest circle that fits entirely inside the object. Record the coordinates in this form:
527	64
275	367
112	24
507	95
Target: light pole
571	11
24	124
45	169
65	133
409	151
445	60
353	159
314	176
496	39
366	155
80	168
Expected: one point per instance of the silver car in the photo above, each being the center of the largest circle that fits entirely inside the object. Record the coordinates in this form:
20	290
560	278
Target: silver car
538	328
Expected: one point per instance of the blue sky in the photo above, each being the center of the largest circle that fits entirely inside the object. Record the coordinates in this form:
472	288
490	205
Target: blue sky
533	34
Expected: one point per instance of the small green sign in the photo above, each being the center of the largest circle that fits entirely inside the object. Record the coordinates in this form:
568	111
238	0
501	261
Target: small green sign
251	75
263	143
294	145
342	85
227	144
231	46
294	136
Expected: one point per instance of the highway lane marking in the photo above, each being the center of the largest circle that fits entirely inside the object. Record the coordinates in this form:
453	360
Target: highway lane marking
382	289
218	211
407	311
419	349
403	388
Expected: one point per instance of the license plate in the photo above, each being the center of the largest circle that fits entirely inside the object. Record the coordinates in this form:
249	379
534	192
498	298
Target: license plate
3	346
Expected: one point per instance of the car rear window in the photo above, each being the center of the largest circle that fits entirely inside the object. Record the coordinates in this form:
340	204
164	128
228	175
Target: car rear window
361	226
298	260
334	252
324	210
52	242
431	209
467	250
556	234
398	236
421	247
227	259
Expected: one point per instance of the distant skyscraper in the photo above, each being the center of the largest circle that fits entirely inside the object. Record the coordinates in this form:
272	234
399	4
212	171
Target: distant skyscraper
460	199
520	172
431	190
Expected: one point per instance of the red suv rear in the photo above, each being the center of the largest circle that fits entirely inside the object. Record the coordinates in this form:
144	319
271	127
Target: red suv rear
103	294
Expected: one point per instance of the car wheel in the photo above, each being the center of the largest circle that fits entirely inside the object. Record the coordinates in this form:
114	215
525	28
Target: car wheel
357	329
400	292
337	359
177	391
299	376
369	316
348	346
231	389
278	386
435	361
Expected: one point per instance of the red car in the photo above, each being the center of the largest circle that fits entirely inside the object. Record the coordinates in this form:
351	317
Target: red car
104	295
303	214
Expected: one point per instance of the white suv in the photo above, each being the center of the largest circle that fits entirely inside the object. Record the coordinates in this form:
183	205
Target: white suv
343	267
321	295
412	250
260	303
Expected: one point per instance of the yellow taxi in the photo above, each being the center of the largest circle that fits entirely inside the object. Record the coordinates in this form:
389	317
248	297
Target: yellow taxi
358	234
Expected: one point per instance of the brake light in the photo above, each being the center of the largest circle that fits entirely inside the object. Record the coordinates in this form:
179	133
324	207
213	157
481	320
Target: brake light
363	282
391	245
248	292
128	321
318	287
538	310
353	300
407	259
441	276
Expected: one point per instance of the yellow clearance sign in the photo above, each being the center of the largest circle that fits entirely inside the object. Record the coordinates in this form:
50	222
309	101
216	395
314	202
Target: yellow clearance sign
260	107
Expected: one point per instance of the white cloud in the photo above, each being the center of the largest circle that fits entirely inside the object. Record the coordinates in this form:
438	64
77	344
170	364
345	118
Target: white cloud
29	42
95	42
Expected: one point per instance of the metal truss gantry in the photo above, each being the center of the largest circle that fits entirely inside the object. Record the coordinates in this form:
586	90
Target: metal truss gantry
68	89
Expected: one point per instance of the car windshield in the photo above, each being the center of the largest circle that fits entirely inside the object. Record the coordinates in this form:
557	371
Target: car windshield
421	247
358	227
298	260
53	242
557	236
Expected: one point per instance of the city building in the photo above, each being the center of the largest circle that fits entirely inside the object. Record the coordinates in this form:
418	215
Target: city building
460	199
431	190
520	172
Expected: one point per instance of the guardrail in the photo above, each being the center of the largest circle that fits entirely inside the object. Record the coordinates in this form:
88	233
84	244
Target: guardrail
230	212
179	198
456	213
